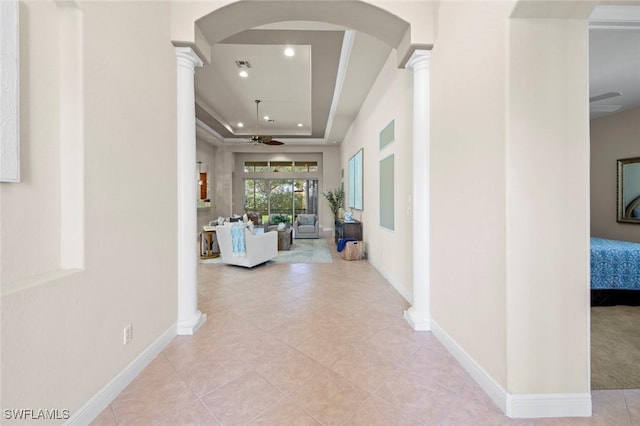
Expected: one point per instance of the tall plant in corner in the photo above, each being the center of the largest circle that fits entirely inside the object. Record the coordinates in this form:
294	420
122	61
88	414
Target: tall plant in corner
335	197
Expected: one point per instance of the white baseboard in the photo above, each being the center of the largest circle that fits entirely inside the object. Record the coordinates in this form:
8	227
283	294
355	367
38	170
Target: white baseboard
521	405
101	400
549	405
394	283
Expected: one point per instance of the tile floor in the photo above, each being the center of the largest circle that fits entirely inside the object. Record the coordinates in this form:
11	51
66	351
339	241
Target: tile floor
316	344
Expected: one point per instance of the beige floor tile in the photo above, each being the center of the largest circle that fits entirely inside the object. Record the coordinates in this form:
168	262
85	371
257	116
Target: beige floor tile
290	371
330	398
632	399
195	414
285	413
438	365
106	418
396	343
419	399
324	351
213	371
326	335
242	400
257	350
155	394
369	370
377	412
609	408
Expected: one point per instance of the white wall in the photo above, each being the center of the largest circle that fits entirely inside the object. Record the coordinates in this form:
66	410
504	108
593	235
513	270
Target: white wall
612	138
62	330
390	98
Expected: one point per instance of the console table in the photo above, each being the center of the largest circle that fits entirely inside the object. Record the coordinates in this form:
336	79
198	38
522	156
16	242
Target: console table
348	230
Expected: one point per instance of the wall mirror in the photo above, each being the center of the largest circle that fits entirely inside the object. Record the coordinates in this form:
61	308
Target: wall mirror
629	190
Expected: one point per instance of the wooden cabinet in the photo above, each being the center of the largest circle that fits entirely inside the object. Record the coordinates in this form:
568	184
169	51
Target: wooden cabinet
348	230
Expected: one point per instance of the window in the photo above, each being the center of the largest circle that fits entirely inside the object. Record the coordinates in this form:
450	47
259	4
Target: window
281	166
256	166
306	166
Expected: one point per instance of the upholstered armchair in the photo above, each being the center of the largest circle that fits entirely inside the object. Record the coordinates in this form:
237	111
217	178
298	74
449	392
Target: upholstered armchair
259	247
306	226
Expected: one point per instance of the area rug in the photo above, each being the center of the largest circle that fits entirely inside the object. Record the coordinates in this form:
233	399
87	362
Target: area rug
302	251
615	347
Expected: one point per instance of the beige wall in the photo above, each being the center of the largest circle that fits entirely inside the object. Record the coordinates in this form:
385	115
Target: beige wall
390	98
612	138
62	337
468	282
547	166
509	212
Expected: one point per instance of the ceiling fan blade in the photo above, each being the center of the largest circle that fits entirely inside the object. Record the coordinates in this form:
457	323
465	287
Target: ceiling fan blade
604	96
273	142
605	108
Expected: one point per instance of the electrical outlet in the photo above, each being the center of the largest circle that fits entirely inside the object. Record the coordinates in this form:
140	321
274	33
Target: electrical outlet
128	333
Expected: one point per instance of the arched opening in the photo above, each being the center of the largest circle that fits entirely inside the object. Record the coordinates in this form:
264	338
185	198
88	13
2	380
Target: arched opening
211	27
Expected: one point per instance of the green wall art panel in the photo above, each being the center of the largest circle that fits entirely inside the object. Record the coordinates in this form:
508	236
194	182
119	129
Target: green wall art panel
387	193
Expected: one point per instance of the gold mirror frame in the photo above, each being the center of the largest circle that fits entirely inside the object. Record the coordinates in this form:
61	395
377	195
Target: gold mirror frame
629	197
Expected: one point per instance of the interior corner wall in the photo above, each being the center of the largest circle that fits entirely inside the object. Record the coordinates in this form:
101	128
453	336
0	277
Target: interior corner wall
468	240
390	98
62	337
613	137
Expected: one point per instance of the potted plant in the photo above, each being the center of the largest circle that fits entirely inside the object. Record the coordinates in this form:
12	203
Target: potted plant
335	197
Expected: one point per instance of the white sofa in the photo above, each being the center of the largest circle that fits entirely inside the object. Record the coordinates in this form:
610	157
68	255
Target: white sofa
259	247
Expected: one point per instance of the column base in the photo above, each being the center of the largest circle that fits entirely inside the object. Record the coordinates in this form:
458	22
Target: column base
417	320
189	327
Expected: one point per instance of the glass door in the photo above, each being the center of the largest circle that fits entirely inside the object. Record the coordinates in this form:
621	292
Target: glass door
287	197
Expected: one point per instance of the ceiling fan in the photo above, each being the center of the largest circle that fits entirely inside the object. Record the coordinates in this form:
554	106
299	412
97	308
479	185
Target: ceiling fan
265	140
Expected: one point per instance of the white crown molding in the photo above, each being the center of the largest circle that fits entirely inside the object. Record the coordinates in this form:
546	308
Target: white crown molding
520	405
101	400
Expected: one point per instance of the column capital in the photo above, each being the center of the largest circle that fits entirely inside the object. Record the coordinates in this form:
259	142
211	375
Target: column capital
419	59
188	58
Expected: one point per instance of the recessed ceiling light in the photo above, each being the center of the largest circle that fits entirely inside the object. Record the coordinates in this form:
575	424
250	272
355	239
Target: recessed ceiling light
243	74
289	52
266	117
240	124
299	124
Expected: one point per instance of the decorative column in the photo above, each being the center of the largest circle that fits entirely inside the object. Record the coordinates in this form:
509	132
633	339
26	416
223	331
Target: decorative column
419	315
189	317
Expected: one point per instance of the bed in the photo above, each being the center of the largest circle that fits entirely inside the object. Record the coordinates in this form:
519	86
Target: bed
615	272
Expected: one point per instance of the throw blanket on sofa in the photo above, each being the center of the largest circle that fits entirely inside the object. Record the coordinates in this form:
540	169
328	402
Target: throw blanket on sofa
237	240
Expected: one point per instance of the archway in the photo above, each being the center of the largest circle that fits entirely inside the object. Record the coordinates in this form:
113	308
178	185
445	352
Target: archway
211	26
